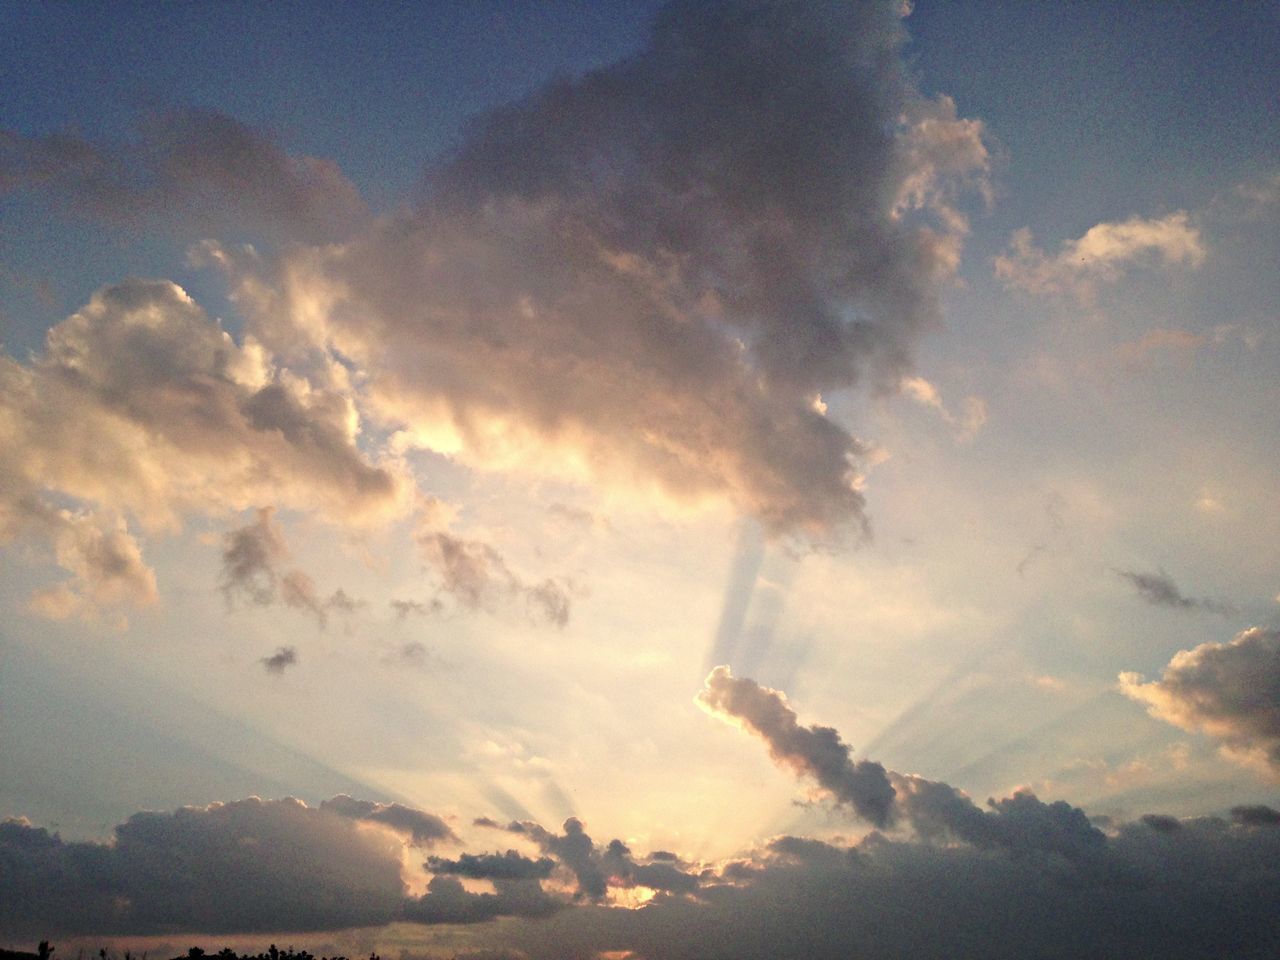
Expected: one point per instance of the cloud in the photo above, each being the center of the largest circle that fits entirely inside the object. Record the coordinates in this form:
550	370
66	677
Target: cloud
645	276
448	901
423	828
248	865
405	607
1256	816
494	866
142	407
1102	255
1231	691
926	394
105	562
278	662
814	751
477	576
597	869
252	557
1178	894
1159	590
193	167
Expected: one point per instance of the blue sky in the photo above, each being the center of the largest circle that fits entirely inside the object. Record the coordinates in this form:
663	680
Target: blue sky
415	404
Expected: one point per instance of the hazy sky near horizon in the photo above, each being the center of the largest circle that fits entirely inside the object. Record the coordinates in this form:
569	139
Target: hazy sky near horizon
414	405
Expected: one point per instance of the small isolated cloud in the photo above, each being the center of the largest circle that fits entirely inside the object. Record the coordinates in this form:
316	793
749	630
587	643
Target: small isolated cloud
252	561
815	751
1159	590
1102	255
281	660
1230	691
478	578
966	424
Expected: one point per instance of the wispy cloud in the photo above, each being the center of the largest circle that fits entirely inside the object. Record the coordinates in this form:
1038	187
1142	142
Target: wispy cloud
1158	589
966	425
253	558
1102	255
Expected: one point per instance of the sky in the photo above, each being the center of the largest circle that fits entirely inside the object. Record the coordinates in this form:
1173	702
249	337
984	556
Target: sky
640	481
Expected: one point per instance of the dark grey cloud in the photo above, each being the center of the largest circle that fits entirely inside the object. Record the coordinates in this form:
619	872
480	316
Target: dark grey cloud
422	828
649	274
595	868
281	660
1231	691
241	866
193	168
1256	815
1206	889
250	555
814	751
1158	589
493	866
448	901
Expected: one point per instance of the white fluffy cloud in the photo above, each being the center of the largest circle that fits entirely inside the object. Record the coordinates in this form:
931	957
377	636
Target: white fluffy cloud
142	407
1102	255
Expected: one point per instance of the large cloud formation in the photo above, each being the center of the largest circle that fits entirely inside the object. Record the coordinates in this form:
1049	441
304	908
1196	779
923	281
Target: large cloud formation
1022	879
256	865
1230	691
650	274
247	865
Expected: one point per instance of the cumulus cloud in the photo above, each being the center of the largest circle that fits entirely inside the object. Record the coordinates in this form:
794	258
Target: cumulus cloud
595	868
104	559
1159	590
241	866
141	406
814	751
1180	895
200	166
422	828
646	275
1230	691
1102	255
